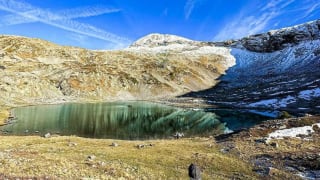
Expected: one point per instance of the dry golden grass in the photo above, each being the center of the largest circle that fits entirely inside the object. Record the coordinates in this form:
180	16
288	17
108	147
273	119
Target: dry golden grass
67	158
4	114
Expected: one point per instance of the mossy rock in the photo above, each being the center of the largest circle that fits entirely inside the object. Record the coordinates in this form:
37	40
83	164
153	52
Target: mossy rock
284	115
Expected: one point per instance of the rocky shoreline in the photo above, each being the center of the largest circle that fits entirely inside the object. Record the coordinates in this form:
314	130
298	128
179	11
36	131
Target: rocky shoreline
277	158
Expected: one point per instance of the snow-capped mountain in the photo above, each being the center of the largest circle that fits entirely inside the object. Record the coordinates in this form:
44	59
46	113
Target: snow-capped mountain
156	39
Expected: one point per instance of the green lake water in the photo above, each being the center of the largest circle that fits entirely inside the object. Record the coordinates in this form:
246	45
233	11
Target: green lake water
125	120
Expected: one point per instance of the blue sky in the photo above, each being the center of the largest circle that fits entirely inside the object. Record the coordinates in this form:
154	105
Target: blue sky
114	24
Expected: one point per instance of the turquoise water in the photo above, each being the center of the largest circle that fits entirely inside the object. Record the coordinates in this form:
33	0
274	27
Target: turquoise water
121	120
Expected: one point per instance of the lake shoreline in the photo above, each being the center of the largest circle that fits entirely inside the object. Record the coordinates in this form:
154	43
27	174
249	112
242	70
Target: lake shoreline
247	147
139	119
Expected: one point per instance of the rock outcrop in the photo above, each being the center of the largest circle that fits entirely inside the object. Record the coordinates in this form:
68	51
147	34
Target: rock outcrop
275	40
279	39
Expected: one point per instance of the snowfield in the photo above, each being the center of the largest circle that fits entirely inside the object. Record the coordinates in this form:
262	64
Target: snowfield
309	94
292	132
274	103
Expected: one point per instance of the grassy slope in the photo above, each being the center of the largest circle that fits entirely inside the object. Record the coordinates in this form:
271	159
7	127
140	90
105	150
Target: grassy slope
4	114
66	158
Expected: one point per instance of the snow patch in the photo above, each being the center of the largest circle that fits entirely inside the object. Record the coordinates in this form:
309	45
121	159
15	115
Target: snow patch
288	100
281	92
274	103
278	61
292	132
188	50
159	39
309	94
222	51
268	102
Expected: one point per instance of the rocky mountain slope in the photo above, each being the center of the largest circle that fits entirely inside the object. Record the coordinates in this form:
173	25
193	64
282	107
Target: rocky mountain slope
35	71
274	70
279	69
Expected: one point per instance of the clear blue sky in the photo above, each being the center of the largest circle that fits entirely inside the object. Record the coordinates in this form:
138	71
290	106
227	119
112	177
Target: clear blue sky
112	24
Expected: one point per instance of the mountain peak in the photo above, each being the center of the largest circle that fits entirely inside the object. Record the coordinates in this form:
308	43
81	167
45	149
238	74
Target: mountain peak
156	39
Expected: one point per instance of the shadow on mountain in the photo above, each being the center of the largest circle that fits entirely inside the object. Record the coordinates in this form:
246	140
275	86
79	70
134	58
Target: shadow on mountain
289	78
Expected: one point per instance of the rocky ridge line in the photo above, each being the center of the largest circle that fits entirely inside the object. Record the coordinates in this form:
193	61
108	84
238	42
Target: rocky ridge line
275	40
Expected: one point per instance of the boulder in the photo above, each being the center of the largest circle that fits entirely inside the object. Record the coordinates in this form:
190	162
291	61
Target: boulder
194	172
47	135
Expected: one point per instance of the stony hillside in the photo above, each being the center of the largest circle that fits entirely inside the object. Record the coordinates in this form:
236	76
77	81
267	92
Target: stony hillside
279	69
35	71
274	70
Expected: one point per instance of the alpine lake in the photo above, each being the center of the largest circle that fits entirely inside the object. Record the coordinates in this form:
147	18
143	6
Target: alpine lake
138	120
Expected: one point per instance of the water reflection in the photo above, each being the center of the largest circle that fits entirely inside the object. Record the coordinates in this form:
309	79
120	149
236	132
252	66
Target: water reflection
118	120
240	119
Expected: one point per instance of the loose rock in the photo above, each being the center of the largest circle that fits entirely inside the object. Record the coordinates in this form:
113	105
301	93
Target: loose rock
139	146
48	135
91	157
72	144
194	172
178	135
274	144
114	144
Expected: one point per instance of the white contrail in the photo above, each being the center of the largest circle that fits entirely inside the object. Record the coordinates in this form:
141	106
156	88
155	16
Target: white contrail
188	8
36	14
250	22
86	12
13	19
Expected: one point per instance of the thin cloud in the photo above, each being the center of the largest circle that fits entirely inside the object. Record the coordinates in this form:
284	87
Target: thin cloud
189	7
276	4
30	12
248	22
89	11
165	12
309	10
82	12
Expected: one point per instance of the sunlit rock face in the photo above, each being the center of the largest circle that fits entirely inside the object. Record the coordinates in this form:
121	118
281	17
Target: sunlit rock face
277	70
35	71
